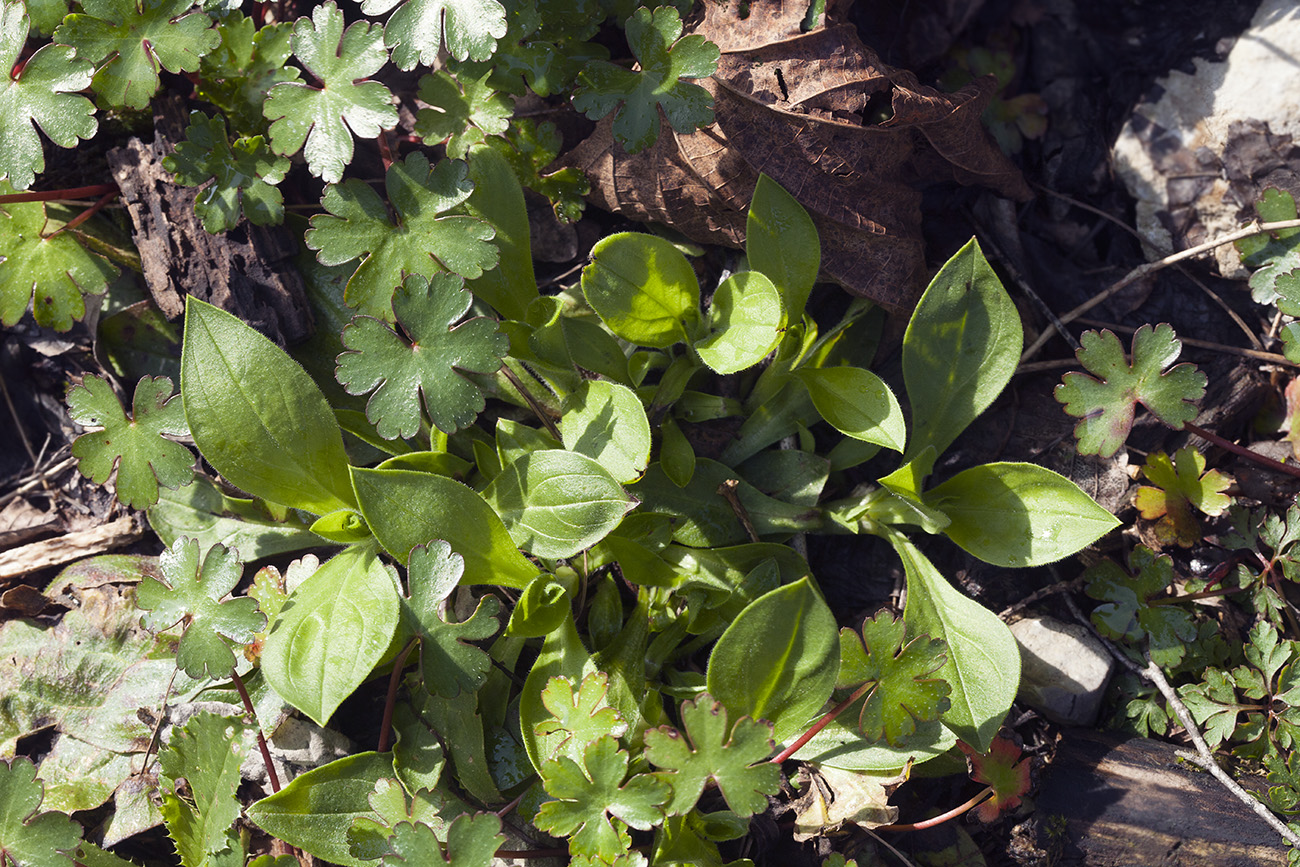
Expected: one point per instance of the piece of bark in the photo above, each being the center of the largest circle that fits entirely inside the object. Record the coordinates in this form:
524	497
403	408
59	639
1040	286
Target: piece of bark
1132	801
72	546
248	271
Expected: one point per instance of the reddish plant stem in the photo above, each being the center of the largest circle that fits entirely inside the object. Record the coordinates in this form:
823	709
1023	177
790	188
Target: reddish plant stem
261	741
1242	450
58	195
390	703
85	215
939	820
821	723
385	150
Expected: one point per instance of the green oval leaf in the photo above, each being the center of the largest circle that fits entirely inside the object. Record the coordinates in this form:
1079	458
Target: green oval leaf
315	811
781	241
332	631
778	660
1012	514
643	289
960	349
406	508
983	664
857	403
257	416
344	526
746	318
606	422
556	503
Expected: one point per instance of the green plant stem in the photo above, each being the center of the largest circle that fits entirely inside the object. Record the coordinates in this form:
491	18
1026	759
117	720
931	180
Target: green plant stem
940	819
58	195
821	723
390	703
261	741
1242	450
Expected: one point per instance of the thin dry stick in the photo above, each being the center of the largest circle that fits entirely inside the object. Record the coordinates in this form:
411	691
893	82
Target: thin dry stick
1141	271
728	491
1203	758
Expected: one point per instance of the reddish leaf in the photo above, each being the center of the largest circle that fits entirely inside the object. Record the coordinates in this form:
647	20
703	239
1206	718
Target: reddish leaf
998	768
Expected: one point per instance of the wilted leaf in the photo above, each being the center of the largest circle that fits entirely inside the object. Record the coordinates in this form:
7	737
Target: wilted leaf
1000	769
1180	486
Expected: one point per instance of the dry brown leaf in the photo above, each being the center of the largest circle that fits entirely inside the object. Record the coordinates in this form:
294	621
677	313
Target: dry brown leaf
799	107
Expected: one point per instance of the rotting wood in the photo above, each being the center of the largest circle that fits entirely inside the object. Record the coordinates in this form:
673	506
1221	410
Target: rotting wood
46	553
248	271
1132	801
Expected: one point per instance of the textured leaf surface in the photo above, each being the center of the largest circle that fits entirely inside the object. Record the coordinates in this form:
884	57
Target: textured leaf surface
711	749
906	690
320	121
556	503
606	422
206	753
643	288
579	718
194	594
462	114
1274	256
746	320
588	803
426	360
1105	401
1181	484
248	62
129	42
49	274
469	28
29	838
420	242
236	179
448	663
665	59
43	95
136	446
472	841
1126	612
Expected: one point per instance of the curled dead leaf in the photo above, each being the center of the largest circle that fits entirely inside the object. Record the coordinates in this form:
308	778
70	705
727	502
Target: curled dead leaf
853	139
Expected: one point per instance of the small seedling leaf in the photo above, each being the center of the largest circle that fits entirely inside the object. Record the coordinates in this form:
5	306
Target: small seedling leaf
1181	485
461	113
448	662
998	767
236	179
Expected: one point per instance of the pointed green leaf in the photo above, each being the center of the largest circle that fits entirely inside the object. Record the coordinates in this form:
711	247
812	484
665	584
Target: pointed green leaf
960	349
857	403
499	200
335	628
405	508
746	322
781	241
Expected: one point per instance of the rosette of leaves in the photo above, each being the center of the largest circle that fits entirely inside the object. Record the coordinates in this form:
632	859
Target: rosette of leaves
235	179
248	62
461	113
43	94
635	98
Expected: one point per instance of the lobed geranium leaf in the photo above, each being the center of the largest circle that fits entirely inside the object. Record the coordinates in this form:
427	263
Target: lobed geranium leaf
390	806
234	178
136	447
1274	256
422	241
461	113
320	121
1127	611
28	838
207	753
580	717
129	41
448	663
192	594
1181	485
1001	768
44	94
247	63
415	32
665	60
734	757
906	690
472	841
429	365
593	808
1105	402
50	272
529	148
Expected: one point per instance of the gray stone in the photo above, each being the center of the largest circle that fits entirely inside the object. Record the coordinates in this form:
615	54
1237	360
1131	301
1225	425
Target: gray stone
1064	669
1198	157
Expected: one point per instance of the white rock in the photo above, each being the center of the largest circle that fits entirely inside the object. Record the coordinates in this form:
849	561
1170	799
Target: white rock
1064	669
1182	137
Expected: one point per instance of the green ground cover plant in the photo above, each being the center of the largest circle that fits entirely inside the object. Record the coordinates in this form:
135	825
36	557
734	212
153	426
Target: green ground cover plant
495	505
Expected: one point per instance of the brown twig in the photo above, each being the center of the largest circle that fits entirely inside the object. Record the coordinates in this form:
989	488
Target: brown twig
59	195
84	215
728	491
1242	451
